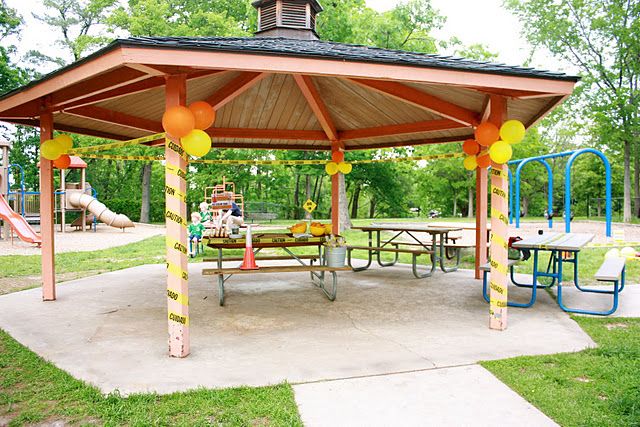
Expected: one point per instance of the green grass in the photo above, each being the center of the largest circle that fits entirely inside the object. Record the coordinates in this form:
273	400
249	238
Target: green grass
35	391
595	387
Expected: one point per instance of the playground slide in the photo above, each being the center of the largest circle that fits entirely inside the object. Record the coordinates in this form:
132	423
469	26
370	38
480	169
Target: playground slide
99	209
18	223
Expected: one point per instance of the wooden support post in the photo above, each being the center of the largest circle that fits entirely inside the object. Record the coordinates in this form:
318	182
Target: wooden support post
63	207
499	228
176	238
336	154
47	202
481	219
83	181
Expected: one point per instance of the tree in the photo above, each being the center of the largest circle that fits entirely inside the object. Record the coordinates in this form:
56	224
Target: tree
600	38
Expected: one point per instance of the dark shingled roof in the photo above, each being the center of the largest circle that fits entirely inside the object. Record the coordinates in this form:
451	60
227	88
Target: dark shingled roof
342	51
312	49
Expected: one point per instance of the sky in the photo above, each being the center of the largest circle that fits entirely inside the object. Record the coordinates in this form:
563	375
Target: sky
472	21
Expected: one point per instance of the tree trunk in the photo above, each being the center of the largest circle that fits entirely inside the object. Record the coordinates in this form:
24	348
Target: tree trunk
627	181
470	212
296	198
636	181
345	221
455	206
145	207
355	202
372	207
319	192
308	191
525	206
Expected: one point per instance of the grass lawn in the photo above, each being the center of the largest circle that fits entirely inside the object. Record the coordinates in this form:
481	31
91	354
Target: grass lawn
595	387
34	391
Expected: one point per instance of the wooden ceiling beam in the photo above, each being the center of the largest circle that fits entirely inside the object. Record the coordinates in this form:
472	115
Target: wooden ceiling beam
234	88
116	118
402	129
287	135
440	140
317	105
72	129
421	99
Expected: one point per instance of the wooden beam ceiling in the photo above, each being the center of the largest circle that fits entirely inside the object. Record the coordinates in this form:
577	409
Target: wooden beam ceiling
234	88
116	117
402	129
317	105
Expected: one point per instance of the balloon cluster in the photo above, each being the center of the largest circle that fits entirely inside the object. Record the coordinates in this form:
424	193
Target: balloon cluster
337	164
492	144
189	124
56	149
627	252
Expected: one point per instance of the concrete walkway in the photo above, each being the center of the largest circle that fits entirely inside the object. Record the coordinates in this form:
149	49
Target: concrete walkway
460	396
111	330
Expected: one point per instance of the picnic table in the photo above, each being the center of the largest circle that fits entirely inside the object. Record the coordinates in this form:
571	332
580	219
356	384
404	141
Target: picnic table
563	248
284	241
435	248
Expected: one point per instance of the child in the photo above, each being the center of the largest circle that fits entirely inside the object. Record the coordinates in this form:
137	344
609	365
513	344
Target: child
205	215
230	217
195	230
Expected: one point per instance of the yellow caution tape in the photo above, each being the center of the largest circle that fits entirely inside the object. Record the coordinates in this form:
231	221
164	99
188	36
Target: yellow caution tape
499	173
499	289
498	303
499	266
499	240
119	144
498	192
175	317
177	271
175	217
174	192
176	149
174	244
409	159
118	157
178	297
495	213
175	170
613	244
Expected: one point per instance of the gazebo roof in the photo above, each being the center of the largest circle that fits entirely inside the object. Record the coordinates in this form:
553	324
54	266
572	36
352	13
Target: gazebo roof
286	93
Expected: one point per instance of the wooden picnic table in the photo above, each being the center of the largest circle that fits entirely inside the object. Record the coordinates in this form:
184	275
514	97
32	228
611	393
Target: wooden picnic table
435	248
284	241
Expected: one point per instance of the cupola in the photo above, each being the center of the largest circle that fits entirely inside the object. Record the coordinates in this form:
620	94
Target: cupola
293	19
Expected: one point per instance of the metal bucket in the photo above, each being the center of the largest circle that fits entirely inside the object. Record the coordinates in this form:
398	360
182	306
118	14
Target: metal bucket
336	256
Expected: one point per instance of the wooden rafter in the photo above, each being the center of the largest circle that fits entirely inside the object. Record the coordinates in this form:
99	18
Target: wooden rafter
402	129
512	93
410	143
234	88
117	118
72	129
421	99
318	106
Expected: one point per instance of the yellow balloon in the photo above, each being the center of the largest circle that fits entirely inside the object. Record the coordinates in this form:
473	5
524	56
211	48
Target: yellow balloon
344	168
500	152
50	149
470	163
612	253
197	143
65	142
512	131
628	252
331	168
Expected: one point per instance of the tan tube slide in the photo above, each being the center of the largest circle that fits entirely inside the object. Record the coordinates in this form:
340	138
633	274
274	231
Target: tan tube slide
99	209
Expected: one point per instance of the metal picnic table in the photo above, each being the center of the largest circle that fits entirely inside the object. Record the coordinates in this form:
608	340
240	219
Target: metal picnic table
435	248
563	248
282	241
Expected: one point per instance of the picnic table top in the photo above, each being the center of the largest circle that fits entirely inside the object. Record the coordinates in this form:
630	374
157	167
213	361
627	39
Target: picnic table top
264	240
555	241
407	227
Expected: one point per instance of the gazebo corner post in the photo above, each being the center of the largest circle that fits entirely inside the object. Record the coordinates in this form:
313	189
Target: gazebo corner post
337	153
47	206
176	222
481	220
498	286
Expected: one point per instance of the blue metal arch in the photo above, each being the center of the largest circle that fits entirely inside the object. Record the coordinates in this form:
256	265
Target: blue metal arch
549	188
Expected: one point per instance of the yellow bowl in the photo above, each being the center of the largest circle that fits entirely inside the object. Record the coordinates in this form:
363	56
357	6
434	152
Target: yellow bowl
299	228
317	231
328	228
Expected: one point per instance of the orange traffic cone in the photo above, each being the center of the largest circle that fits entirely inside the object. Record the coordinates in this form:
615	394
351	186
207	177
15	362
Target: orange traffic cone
249	261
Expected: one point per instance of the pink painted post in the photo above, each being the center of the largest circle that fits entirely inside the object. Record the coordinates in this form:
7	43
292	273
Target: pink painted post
499	228
336	154
46	212
481	219
176	220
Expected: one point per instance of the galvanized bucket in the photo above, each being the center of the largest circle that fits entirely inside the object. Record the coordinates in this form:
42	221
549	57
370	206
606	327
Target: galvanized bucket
336	256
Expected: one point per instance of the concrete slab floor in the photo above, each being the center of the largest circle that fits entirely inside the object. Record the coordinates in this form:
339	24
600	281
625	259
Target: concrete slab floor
628	299
111	330
456	396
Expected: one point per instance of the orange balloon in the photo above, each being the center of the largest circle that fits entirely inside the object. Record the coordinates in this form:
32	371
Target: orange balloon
204	114
487	133
62	162
483	160
471	147
178	121
337	156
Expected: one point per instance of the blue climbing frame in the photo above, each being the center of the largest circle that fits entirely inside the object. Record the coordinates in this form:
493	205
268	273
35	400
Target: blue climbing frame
573	155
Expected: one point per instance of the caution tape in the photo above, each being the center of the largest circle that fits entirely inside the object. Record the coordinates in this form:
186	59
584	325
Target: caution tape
119	144
261	162
497	303
177	149
118	157
499	173
176	170
174	192
498	192
408	159
174	244
495	213
177	271
499	266
613	244
175	217
178	297
496	287
499	240
178	318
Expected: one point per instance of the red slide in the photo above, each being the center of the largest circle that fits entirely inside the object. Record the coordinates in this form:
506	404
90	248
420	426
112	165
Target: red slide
18	223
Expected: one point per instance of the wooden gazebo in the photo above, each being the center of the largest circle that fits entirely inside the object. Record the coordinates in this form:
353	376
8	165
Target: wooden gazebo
272	92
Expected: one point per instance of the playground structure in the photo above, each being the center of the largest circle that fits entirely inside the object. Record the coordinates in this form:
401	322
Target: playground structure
220	196
514	197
